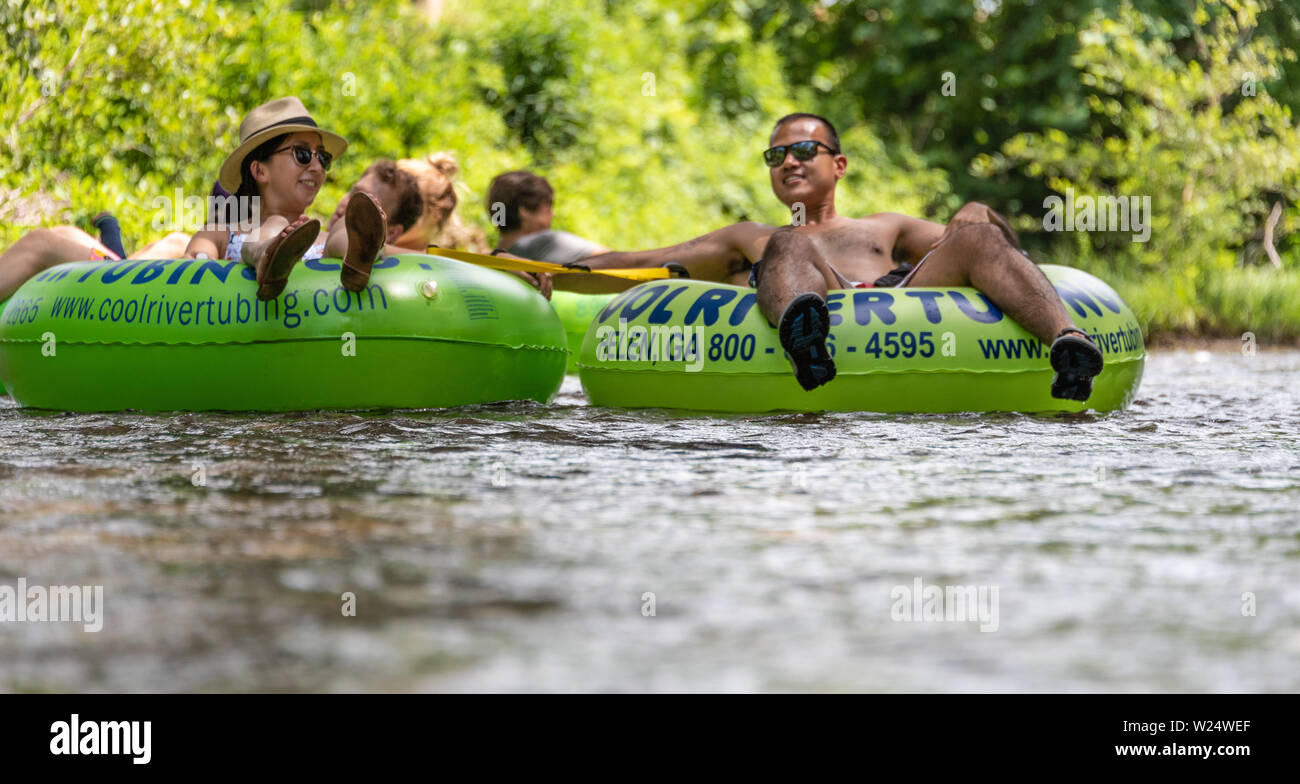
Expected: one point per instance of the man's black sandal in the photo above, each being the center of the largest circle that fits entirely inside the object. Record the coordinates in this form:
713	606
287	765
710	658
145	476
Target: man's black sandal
1076	360
803	331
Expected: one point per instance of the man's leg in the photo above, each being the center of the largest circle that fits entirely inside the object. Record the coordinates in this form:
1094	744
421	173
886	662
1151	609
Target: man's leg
792	265
980	256
336	240
792	286
170	247
40	249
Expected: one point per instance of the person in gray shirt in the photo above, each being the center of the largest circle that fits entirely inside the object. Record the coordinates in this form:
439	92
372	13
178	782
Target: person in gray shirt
520	205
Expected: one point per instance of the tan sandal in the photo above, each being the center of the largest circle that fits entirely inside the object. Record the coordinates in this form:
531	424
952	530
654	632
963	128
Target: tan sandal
367	227
281	254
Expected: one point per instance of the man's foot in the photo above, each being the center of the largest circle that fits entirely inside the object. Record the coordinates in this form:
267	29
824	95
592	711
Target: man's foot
1076	360
803	330
367	227
275	258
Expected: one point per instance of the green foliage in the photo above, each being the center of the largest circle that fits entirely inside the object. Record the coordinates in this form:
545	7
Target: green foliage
649	136
648	116
107	107
889	61
543	97
1011	67
1211	160
1218	303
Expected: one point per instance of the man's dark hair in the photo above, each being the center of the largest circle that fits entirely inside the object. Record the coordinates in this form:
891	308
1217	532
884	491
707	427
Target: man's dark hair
518	189
835	136
410	204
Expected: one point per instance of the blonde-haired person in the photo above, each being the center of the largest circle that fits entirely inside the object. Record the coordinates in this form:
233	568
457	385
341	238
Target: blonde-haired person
440	224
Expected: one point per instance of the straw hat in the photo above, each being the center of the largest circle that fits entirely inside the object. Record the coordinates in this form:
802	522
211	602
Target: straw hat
283	115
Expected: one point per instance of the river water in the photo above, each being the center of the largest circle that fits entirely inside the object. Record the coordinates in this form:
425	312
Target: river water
521	547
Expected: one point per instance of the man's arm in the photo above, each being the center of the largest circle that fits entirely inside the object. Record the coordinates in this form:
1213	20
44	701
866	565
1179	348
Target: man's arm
709	257
913	237
717	249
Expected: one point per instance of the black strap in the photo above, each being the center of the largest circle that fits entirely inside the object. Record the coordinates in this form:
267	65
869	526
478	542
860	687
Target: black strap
1072	330
304	120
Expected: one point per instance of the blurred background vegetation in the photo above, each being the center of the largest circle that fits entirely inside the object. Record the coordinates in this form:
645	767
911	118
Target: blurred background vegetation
648	116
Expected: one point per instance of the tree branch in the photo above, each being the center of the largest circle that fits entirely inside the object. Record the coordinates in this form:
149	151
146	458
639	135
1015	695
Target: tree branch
1268	234
34	108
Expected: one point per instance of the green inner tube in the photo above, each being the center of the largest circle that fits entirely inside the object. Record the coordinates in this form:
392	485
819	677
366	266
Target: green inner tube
3	303
190	335
576	312
695	345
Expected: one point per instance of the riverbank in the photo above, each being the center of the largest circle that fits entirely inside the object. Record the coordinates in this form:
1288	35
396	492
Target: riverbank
1169	341
1216	306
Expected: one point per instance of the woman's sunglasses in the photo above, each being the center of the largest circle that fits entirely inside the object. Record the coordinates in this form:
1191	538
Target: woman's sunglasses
302	154
802	151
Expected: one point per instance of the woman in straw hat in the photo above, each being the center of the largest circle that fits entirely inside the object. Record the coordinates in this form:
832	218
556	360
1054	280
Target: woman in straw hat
275	174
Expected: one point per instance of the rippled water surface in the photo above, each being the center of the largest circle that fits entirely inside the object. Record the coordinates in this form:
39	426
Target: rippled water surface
512	547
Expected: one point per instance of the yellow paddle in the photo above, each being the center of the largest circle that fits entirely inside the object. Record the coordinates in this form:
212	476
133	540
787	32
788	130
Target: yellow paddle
523	265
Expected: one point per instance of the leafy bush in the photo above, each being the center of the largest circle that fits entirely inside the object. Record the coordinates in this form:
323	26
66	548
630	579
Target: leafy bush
1211	159
1010	67
105	108
648	116
1218	303
648	136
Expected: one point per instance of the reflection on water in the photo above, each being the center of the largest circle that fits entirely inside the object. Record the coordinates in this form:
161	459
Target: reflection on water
512	547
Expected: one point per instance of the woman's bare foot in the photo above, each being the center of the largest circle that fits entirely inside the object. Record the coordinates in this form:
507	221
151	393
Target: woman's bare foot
275	258
367	228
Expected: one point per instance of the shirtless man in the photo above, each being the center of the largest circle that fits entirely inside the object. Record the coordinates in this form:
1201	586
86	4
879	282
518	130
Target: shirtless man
794	266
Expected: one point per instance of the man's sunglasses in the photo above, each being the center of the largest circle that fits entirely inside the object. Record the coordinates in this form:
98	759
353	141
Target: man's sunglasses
302	154
802	151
